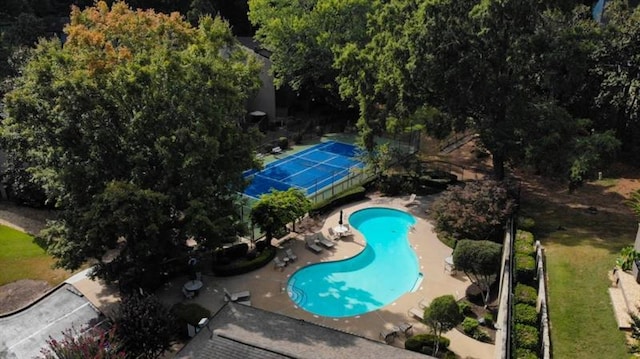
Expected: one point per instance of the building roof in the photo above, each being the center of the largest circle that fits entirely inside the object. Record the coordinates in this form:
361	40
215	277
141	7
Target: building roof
237	331
251	43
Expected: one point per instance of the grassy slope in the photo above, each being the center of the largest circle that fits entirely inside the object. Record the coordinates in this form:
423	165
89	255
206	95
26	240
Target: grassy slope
21	258
579	255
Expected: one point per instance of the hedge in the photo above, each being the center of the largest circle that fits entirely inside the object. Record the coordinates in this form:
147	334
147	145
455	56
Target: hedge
342	198
525	314
524	243
525	354
525	268
526	223
244	265
417	342
526	294
470	325
527	337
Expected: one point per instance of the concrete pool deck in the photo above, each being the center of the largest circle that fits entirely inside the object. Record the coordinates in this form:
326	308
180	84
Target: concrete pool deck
268	284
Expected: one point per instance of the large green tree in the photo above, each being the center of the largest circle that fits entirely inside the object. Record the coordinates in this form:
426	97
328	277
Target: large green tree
480	261
458	65
131	128
442	315
274	210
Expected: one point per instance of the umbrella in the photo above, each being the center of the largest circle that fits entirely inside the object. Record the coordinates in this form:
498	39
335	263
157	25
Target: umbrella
340	220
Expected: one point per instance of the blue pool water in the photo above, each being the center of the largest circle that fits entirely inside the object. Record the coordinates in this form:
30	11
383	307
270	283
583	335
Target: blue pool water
385	270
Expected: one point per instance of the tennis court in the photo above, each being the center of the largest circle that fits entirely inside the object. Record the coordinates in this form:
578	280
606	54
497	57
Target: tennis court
310	170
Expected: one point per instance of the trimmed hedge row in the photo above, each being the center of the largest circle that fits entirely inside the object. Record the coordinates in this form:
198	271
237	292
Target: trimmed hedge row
527	337
246	265
524	243
526	294
351	195
424	343
525	268
525	314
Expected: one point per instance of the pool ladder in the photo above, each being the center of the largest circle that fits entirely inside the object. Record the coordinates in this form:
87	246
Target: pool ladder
296	294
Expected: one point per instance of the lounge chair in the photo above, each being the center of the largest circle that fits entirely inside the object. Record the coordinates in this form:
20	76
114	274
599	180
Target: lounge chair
389	335
423	304
278	263
412	200
333	234
311	244
292	256
417	313
236	297
325	242
405	328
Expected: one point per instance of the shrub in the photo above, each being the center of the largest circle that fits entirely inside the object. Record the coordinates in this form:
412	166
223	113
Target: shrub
283	143
236	251
626	258
524	243
525	268
190	313
526	223
348	196
525	354
488	320
465	308
526	294
417	342
527	337
243	265
525	314
476	211
481	335
470	325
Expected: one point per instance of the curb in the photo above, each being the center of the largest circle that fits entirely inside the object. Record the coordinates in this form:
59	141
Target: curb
46	294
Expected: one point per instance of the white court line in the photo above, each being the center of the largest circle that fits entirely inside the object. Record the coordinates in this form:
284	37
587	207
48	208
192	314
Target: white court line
48	325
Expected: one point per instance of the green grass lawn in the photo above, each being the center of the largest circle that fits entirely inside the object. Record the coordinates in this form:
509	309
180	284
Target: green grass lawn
22	258
581	248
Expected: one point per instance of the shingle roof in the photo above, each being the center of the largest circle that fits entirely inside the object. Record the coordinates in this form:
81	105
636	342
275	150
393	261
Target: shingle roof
239	331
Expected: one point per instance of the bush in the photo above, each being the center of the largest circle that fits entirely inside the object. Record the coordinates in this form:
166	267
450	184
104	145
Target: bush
342	198
465	308
526	294
525	314
417	342
526	223
190	313
470	325
481	335
283	143
525	243
525	268
474	294
527	337
525	354
244	265
395	184
236	251
488	320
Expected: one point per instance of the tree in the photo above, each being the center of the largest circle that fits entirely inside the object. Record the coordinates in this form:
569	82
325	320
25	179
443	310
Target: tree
480	261
93	344
478	211
482	65
302	37
274	210
442	315
131	128
144	326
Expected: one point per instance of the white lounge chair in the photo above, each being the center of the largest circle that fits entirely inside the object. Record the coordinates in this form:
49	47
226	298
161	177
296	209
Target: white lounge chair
417	313
236	297
311	244
325	242
412	200
389	335
292	256
278	263
405	328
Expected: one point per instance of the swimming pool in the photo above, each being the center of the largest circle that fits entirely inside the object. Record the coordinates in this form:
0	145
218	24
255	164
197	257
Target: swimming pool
385	270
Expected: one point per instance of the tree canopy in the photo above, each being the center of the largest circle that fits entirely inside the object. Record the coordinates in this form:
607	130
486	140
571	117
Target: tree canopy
274	210
442	315
480	261
131	128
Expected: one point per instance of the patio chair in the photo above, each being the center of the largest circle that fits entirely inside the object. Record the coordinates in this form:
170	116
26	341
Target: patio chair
423	304
311	244
292	256
389	335
412	200
405	328
278	263
333	234
237	296
325	242
417	313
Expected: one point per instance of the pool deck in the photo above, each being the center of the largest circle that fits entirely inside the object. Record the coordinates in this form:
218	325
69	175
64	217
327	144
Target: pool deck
268	284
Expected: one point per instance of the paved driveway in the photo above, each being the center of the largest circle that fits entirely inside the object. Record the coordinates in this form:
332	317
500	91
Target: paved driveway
22	335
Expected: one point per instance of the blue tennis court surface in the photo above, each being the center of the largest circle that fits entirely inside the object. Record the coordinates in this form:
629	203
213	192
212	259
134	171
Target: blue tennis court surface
309	170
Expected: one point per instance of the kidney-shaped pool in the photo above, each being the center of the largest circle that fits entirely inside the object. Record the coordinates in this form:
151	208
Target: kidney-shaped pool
385	270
